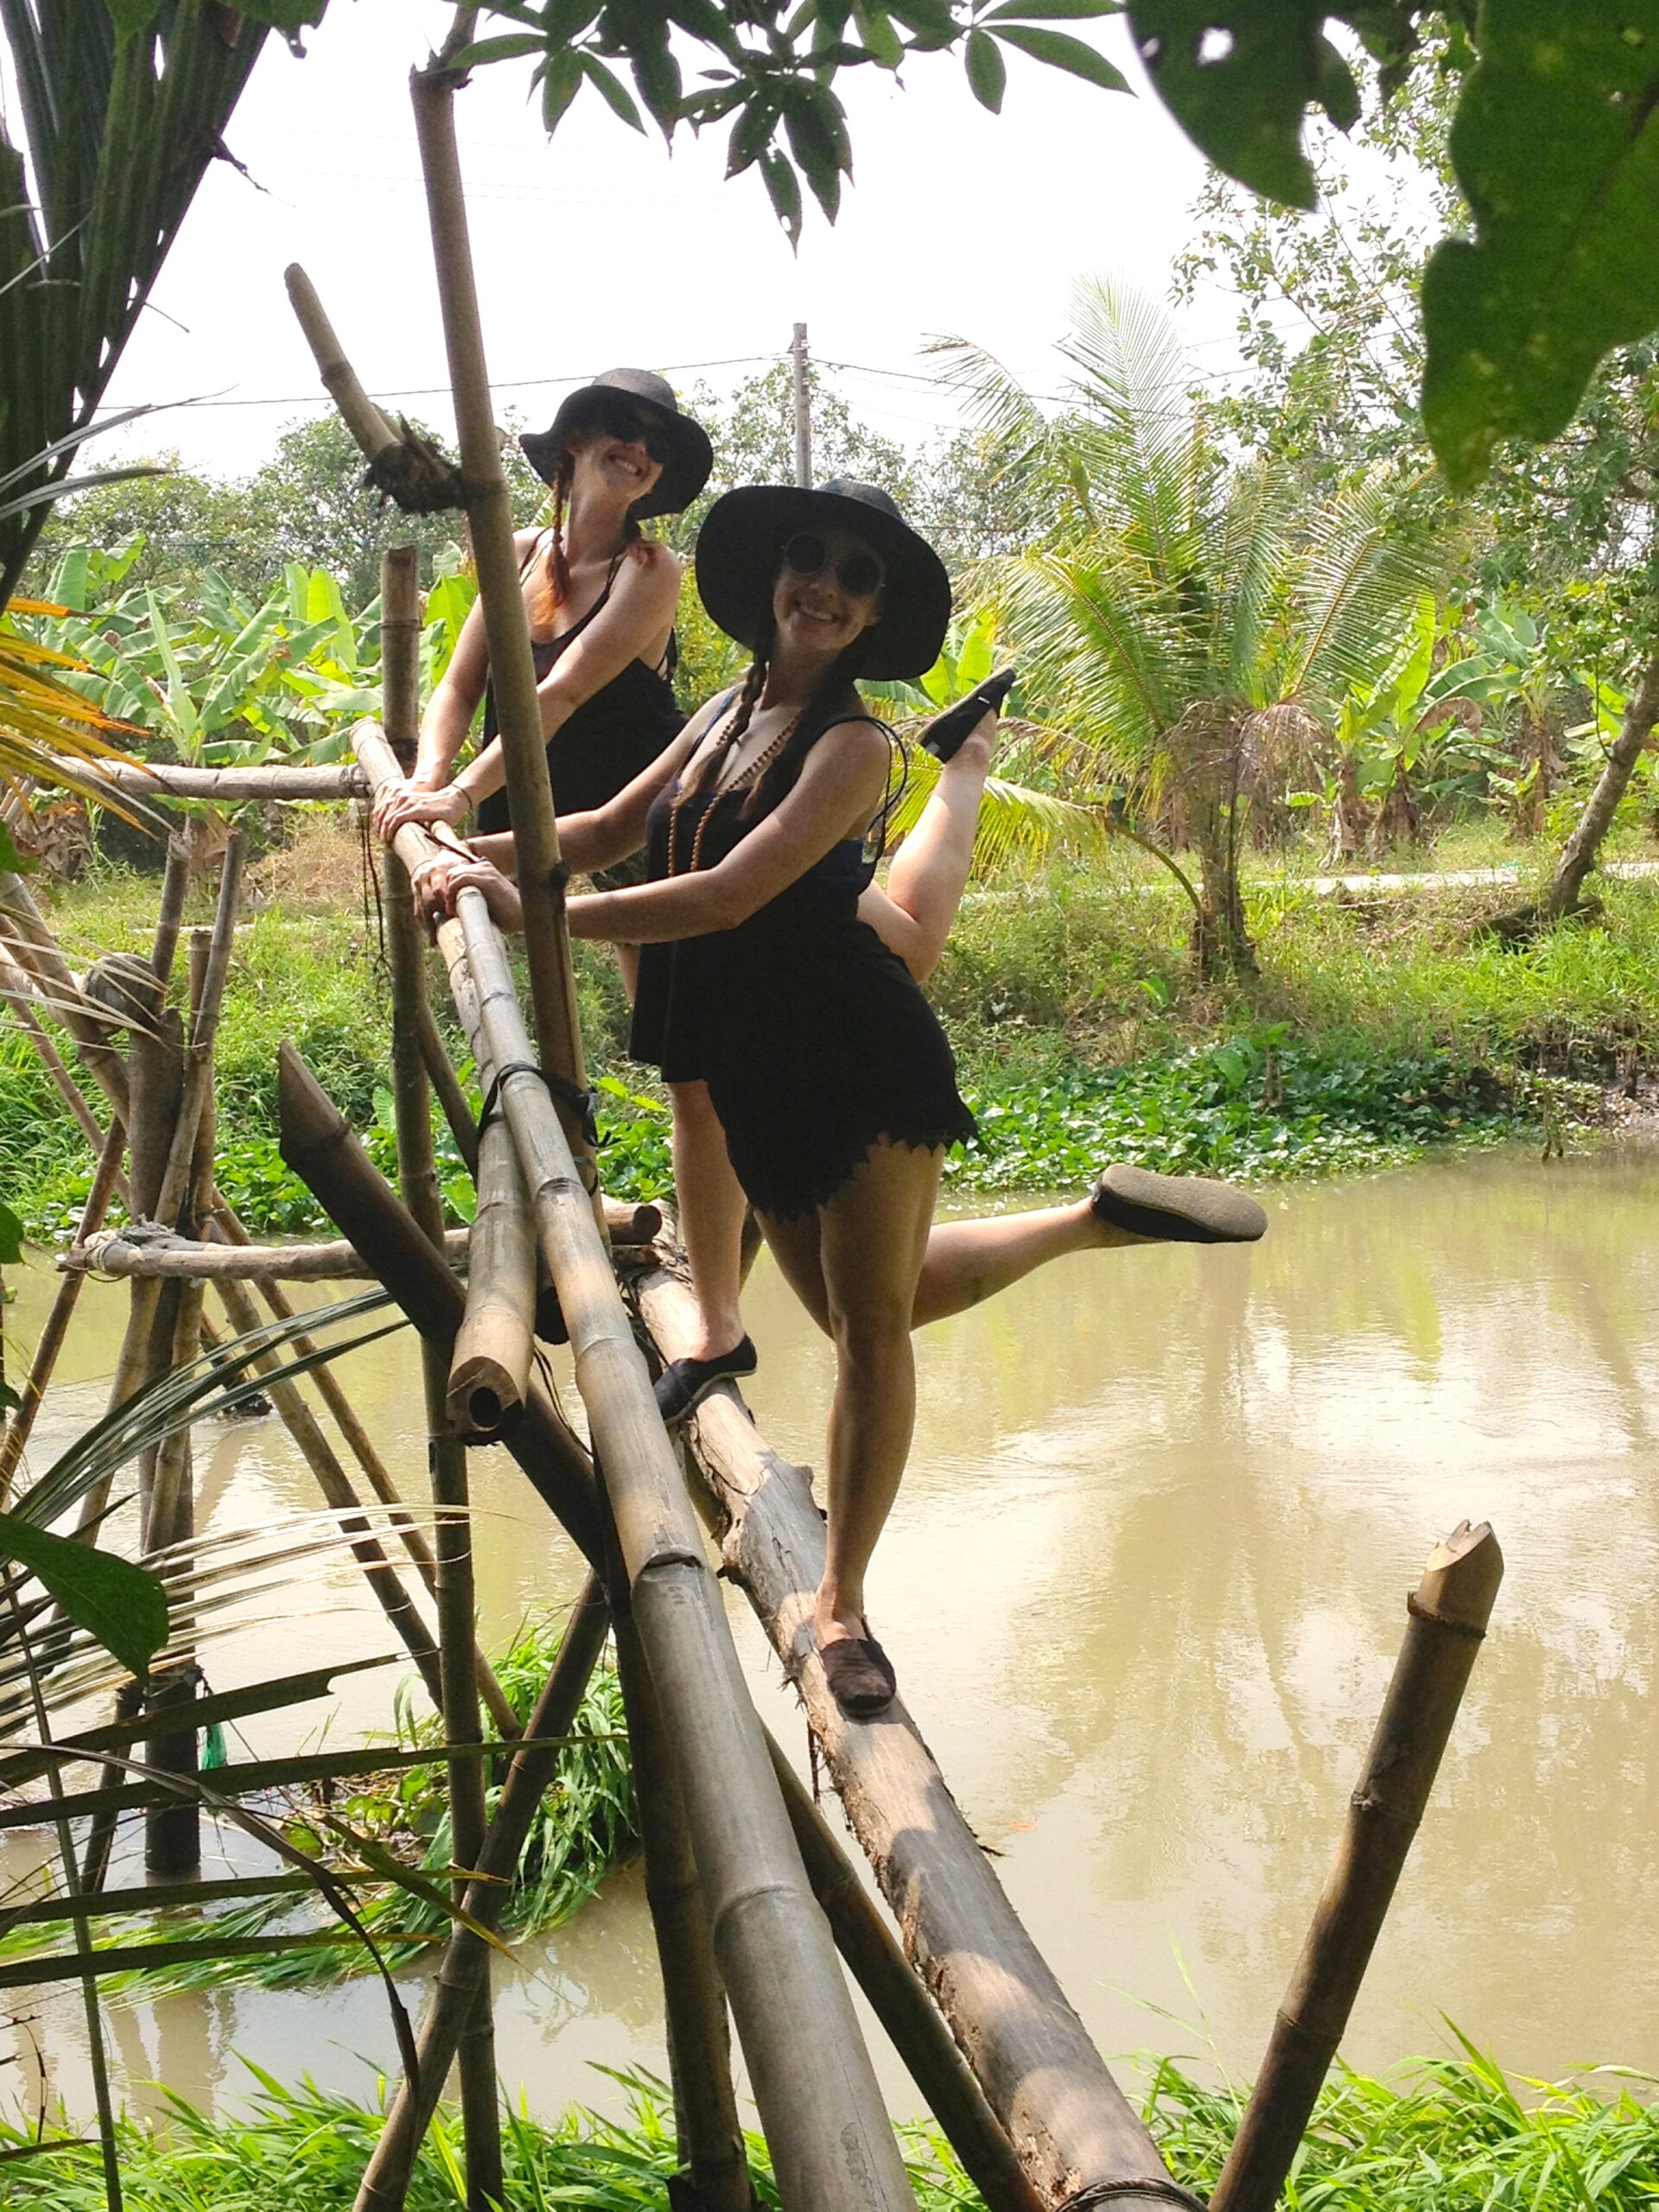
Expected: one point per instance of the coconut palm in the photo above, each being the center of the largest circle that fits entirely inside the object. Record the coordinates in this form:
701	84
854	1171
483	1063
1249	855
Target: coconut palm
1187	625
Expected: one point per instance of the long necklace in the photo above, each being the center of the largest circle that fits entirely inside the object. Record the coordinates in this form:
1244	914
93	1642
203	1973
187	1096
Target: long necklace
742	781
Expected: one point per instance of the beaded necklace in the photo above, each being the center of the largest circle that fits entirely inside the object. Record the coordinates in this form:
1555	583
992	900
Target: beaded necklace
743	779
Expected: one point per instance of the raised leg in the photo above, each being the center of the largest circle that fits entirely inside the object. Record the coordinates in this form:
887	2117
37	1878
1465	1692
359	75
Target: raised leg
969	1261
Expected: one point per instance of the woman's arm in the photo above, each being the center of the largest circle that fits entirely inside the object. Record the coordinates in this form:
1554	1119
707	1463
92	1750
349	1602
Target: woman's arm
840	788
913	916
640	609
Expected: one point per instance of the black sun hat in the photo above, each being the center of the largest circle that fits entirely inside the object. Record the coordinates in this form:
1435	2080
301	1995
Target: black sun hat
690	455
740	548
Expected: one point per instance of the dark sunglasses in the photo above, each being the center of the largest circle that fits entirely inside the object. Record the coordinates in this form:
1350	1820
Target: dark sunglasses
859	575
615	418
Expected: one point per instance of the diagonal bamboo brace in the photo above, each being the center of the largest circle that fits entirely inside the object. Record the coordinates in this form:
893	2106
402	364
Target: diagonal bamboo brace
1448	1614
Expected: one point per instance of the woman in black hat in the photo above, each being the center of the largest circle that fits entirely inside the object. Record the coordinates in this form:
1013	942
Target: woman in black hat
601	600
832	1080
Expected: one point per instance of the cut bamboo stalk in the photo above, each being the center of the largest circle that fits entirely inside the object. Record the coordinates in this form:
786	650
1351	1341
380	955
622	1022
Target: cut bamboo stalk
555	1019
457	1110
175	889
1448	1619
489	1374
914	2024
1070	2126
713	2163
400	651
831	2141
319	1144
204	1029
157	781
466	1954
333	1481
167	1255
418	1176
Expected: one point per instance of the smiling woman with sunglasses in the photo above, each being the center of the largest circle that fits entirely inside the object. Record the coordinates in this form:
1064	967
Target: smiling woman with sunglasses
763	990
601	600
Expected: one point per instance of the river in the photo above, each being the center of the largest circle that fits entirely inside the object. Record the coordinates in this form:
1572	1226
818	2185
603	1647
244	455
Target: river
1143	1586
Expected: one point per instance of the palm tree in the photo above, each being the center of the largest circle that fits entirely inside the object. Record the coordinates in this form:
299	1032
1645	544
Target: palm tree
1186	623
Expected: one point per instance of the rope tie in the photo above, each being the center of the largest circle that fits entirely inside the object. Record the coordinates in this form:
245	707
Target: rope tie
1117	2192
1421	1613
584	1104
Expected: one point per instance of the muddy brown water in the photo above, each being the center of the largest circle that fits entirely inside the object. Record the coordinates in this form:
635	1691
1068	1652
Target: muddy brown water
1143	1585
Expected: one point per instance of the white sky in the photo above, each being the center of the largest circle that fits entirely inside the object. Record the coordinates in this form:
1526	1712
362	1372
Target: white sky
601	248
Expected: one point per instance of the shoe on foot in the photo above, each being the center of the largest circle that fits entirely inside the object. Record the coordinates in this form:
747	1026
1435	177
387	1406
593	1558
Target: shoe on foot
684	1383
1176	1208
859	1676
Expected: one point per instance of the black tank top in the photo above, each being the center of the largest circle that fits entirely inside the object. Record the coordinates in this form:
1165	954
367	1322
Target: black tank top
608	739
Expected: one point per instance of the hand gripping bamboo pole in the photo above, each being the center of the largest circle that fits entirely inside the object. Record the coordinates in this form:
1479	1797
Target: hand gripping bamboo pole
1447	1618
1071	2128
831	2142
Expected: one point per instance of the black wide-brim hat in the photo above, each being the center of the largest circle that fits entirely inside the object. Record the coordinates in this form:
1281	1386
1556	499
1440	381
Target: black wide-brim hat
691	457
740	548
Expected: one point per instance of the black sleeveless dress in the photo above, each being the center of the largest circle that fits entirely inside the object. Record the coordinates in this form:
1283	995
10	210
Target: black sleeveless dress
812	1035
605	743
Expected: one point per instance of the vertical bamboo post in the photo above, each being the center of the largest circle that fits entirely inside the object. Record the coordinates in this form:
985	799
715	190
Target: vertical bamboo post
465	1955
512	670
447	1455
489	1373
715	2166
1448	1614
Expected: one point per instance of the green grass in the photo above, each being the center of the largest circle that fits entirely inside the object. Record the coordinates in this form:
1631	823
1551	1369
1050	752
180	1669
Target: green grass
1446	2136
1380	1026
583	1828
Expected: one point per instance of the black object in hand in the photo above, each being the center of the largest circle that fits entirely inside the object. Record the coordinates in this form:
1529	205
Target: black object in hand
947	732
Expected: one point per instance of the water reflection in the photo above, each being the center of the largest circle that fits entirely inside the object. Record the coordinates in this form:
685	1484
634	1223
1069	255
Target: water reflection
1145	1586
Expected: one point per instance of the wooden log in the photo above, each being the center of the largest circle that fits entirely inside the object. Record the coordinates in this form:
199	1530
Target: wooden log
319	1144
164	1254
914	2024
161	780
1070	2126
466	1953
1447	1617
827	2127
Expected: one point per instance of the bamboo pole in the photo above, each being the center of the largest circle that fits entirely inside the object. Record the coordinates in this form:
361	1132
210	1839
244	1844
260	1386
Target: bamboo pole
16	991
318	1143
417	1177
914	2024
489	1374
170	1256
1448	1619
1070	2126
35	949
713	2163
456	1109
831	2142
466	1954
513	671
161	780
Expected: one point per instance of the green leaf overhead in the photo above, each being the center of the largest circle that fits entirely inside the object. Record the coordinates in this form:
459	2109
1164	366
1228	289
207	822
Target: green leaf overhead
1239	76
1063	51
123	1606
1556	147
988	73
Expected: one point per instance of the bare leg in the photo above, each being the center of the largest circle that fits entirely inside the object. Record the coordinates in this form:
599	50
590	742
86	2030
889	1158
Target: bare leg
930	870
855	1266
712	1207
969	1260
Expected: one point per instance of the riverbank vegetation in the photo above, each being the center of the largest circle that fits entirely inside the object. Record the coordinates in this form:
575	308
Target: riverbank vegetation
1448	2135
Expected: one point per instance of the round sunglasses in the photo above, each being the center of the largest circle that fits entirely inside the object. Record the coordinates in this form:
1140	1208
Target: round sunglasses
859	575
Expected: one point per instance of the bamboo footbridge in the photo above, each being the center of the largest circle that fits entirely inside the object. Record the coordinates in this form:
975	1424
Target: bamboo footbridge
752	1894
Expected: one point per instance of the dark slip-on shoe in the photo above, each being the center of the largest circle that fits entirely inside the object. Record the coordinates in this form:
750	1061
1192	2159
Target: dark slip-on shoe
684	1383
1176	1208
860	1677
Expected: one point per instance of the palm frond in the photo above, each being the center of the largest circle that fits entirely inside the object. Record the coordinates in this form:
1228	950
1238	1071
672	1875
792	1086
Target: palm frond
1016	822
1361	576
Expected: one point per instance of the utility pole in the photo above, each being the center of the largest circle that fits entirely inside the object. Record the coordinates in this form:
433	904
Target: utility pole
803	410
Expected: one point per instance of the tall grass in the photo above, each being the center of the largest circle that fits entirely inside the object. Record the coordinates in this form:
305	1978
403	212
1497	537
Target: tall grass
1450	2135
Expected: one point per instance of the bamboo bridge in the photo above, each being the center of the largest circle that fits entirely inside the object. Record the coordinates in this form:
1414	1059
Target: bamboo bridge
756	1903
